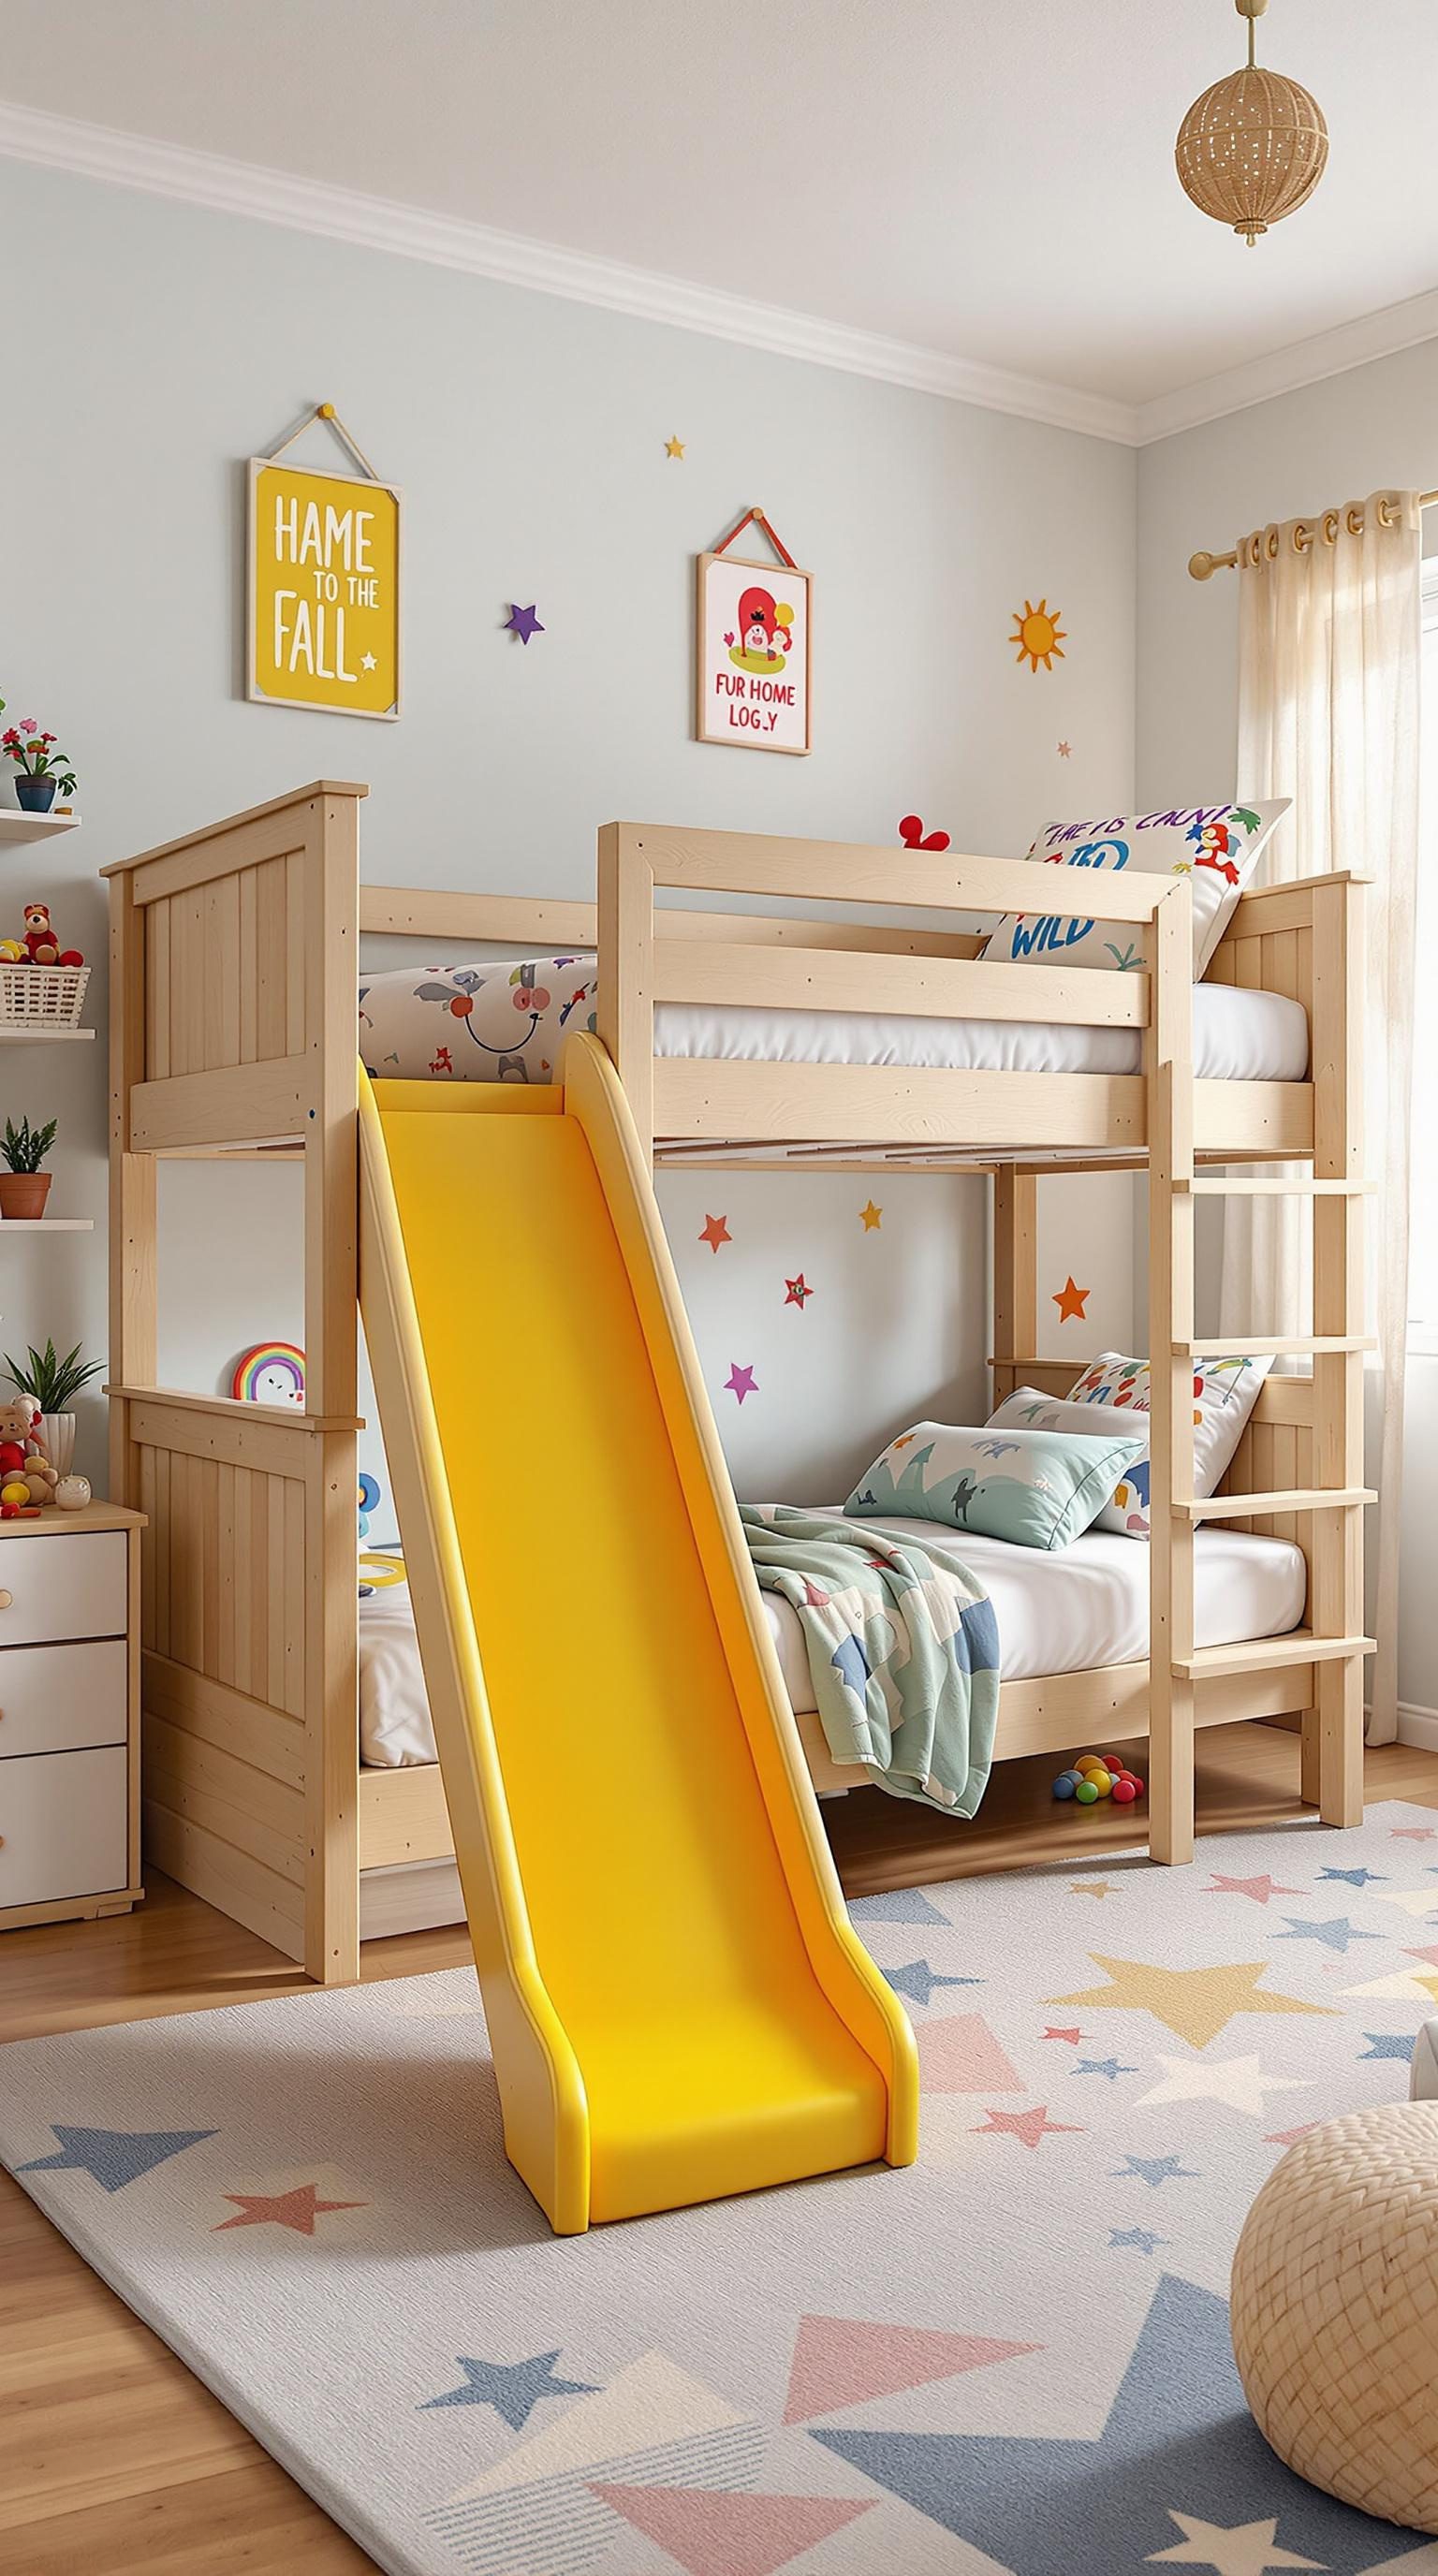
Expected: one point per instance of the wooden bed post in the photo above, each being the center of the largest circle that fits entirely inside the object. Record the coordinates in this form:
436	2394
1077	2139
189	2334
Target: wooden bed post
1015	1266
1336	1608
624	1018
133	1295
1168	1071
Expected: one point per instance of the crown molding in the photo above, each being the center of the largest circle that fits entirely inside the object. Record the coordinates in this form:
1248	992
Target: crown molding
1287	371
445	241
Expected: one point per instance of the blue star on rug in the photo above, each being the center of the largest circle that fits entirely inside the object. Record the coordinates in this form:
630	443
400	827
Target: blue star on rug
1153	2170
904	1905
1108	2066
918	1981
1356	1877
1388	2043
1179	2445
113	2157
1334	1936
1142	2239
512	2388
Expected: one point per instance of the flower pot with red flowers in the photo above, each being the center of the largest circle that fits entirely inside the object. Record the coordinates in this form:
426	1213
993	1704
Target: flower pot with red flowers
24	1188
41	772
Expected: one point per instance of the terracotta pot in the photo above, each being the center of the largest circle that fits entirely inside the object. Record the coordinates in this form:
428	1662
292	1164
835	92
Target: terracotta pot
24	1193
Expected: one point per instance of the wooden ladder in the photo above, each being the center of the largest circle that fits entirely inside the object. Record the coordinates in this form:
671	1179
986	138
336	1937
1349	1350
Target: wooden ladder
1332	1502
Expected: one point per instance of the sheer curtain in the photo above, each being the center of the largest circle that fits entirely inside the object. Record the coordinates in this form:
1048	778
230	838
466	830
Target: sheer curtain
1329	657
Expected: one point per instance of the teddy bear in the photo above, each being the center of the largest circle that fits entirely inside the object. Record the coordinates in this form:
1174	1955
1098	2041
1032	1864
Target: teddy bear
22	1456
41	945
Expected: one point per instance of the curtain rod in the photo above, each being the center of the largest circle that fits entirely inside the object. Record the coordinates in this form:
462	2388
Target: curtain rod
1306	532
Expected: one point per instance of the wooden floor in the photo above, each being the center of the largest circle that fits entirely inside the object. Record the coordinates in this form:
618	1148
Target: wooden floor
113	2460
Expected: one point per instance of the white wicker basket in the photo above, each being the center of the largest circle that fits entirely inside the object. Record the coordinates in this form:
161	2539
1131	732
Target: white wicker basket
51	995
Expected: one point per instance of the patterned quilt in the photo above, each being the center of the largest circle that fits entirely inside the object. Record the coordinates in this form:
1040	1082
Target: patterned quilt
903	1647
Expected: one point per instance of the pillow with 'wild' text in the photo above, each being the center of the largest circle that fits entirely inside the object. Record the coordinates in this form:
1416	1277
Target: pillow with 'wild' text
1217	846
1034	1488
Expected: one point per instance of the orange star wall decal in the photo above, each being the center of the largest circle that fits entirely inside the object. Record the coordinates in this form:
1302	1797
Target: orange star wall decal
714	1231
1071	1301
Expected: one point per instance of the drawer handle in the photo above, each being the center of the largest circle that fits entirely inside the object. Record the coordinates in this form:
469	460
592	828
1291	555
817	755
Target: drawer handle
6	1600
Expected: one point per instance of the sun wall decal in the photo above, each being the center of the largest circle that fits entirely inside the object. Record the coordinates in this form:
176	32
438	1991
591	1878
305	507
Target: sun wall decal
1038	635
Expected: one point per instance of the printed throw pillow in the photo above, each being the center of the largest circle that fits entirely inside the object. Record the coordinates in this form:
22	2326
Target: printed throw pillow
491	1021
1224	1395
1029	1410
1218	846
1034	1488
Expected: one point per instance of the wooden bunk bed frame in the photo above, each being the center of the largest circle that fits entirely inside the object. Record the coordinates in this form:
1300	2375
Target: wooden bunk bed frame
234	968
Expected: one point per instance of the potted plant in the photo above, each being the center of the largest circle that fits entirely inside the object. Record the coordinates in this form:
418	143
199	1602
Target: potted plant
53	1383
24	1188
42	771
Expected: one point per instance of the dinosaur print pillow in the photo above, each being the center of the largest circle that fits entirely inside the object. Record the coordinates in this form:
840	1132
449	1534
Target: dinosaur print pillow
1217	846
493	1020
1034	1488
1225	1392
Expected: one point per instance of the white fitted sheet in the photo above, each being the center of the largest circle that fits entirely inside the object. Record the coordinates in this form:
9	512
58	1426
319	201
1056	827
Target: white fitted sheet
1238	1036
1065	1611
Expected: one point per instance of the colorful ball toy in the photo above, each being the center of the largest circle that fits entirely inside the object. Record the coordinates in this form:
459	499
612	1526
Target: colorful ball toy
1099	1775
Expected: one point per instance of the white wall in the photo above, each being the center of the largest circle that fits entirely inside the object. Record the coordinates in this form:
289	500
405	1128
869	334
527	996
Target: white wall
528	435
1333	442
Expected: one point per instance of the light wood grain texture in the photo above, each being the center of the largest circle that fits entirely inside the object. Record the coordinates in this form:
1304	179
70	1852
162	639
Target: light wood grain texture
1015	1289
403	1816
818	979
1168	1072
1336	1560
848	872
624	1014
537	921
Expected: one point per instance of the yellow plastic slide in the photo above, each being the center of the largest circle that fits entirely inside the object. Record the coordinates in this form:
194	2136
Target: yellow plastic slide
678	2006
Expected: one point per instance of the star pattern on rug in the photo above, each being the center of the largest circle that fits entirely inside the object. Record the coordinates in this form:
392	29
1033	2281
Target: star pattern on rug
845	2361
114	2157
1238	2082
1072	2036
918	1980
1228	2549
1154	2170
1413	1833
1261	1889
1355	1877
1411	1900
1108	2066
1141	2239
1388	2043
714	1231
1196	2004
522	622
296	2209
1334	1935
797	1292
1095	1887
741	1382
705	2530
1071	1301
1027	2126
512	2388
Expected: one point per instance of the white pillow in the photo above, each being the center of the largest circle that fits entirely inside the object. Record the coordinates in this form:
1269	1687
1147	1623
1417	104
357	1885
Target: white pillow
1218	846
1224	1394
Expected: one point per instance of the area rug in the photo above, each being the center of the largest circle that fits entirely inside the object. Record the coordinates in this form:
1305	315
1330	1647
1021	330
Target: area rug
1014	2356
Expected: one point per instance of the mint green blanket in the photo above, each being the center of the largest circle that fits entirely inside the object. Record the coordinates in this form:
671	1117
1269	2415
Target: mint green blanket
903	1649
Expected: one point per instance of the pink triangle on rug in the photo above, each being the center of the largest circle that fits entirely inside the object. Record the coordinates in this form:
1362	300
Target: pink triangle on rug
713	2534
840	2361
961	2055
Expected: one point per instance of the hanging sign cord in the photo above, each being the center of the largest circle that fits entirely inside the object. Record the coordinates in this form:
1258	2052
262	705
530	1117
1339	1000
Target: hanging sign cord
327	411
770	531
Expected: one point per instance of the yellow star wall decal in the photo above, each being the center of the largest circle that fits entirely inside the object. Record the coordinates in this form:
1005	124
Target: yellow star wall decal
674	447
1195	2003
870	1218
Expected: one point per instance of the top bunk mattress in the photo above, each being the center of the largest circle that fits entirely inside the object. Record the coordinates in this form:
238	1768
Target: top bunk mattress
1062	1610
495	1021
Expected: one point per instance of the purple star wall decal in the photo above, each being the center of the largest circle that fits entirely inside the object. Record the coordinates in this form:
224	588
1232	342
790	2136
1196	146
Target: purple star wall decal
523	622
740	1381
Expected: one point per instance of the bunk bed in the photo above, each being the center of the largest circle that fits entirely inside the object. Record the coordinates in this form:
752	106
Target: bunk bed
234	975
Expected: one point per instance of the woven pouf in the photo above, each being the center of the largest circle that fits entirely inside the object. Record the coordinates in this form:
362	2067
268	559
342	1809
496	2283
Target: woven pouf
1335	2310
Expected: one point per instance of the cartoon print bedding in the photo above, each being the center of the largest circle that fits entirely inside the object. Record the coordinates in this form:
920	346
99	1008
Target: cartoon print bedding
903	1650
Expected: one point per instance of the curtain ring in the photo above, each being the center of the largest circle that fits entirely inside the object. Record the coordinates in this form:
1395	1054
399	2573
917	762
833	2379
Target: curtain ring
1271	545
1388	512
1354	518
1330	527
1302	536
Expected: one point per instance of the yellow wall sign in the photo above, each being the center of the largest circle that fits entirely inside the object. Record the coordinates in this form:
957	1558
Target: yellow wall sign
323	590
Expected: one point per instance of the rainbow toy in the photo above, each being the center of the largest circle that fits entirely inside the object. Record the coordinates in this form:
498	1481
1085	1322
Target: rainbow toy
272	1373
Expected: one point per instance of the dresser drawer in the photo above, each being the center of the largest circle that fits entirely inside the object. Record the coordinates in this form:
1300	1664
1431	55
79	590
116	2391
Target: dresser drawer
56	1699
62	1816
63	1586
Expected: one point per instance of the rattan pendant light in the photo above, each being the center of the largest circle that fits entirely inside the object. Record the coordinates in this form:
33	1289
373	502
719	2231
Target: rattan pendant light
1254	146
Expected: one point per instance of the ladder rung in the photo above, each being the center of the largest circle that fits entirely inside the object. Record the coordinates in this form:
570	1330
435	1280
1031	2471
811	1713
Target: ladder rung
1260	1654
1207	1188
1257	1346
1309	1498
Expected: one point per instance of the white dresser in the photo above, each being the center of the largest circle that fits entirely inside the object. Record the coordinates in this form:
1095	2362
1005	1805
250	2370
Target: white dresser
69	1715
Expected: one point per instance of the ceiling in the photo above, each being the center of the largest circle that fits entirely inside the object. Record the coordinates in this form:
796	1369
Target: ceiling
988	180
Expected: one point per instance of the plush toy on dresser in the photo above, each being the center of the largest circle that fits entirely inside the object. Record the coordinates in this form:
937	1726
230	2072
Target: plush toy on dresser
27	1479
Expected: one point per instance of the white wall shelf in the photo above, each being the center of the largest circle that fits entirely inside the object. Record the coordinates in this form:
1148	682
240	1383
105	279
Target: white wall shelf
15	826
46	1225
35	1033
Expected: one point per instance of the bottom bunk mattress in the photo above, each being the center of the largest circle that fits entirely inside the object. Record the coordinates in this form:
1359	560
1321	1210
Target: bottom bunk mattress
1068	1610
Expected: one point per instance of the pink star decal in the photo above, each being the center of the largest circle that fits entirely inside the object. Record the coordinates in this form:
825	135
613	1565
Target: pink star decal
297	2210
740	1382
1027	2126
1072	2036
1260	1889
798	1289
714	1231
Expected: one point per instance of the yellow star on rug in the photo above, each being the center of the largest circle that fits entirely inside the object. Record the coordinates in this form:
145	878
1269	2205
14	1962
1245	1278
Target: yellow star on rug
1091	1887
674	447
1195	2003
